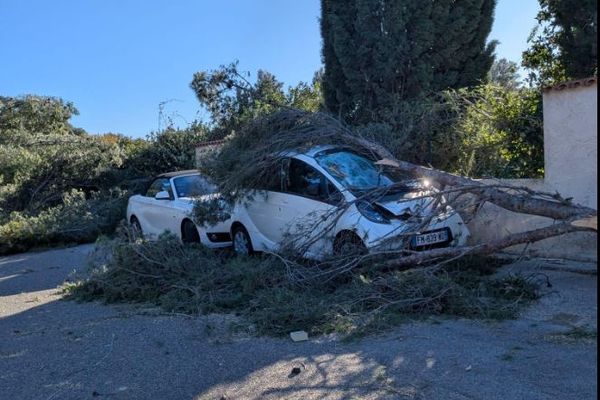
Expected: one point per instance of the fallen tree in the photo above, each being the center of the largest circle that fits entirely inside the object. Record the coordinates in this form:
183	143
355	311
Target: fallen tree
523	201
347	293
250	155
191	279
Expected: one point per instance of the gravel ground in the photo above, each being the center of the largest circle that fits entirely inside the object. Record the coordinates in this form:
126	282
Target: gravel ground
54	349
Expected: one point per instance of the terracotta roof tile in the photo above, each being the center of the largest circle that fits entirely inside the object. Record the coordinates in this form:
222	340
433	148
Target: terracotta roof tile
572	84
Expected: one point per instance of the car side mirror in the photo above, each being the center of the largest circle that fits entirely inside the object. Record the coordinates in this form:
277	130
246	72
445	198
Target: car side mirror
162	195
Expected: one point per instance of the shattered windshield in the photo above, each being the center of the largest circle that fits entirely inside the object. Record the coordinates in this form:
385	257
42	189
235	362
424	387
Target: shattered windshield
353	171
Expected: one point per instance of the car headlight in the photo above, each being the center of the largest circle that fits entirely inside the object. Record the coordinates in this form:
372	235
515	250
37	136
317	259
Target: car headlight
370	213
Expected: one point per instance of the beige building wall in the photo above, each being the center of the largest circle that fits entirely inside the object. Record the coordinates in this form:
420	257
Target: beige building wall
571	140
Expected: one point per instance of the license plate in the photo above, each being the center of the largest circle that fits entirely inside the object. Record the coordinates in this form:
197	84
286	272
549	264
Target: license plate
431	238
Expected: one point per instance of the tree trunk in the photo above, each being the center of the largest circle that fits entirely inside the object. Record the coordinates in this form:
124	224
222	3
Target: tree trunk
520	203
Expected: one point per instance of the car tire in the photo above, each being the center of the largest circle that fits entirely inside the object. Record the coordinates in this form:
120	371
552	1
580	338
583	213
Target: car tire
347	244
242	244
189	233
136	228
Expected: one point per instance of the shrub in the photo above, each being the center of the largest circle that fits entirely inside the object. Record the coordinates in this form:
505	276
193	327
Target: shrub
76	220
59	184
500	133
484	131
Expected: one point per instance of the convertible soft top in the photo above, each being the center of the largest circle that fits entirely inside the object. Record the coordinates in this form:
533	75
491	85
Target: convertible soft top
178	173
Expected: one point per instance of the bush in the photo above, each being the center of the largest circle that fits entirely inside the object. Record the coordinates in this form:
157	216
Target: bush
59	184
168	150
76	220
501	133
485	131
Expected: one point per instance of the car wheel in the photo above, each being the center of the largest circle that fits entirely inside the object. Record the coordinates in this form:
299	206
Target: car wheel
189	233
241	241
136	227
348	243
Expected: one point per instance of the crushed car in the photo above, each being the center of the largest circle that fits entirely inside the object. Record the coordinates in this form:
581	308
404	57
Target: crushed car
333	201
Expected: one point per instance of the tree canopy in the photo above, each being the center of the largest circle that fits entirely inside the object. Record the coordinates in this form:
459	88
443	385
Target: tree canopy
29	115
232	99
377	53
504	73
563	44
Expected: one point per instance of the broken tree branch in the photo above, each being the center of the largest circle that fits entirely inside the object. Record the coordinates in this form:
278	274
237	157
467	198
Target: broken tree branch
427	257
513	202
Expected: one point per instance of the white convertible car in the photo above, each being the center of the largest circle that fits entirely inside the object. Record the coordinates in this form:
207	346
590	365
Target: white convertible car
167	205
323	197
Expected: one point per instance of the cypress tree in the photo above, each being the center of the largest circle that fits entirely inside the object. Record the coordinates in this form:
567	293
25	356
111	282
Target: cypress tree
336	27
379	52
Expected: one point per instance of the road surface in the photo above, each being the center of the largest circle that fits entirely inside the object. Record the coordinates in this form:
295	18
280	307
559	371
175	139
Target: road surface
56	349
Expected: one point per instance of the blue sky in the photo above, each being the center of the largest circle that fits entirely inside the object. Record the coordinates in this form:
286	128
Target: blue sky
117	60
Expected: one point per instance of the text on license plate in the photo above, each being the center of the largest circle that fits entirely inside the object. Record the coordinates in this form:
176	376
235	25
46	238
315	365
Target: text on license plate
431	238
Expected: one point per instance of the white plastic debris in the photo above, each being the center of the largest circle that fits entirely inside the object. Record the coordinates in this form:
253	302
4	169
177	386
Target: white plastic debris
299	336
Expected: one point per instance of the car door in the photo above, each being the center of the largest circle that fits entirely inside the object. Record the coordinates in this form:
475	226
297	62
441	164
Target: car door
309	208
264	208
158	215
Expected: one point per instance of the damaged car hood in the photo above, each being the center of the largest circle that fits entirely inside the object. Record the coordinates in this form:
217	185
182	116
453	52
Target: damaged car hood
408	205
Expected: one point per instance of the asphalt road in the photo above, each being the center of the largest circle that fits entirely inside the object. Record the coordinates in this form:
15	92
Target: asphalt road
56	349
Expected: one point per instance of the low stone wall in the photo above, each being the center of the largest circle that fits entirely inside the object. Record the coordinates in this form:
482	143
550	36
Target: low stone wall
493	222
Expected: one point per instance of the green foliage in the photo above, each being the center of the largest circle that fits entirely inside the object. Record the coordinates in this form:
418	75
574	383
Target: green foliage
232	100
484	131
41	169
564	44
211	211
167	270
60	184
422	131
505	74
378	54
75	219
392	68
35	115
306	97
192	279
500	133
169	150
